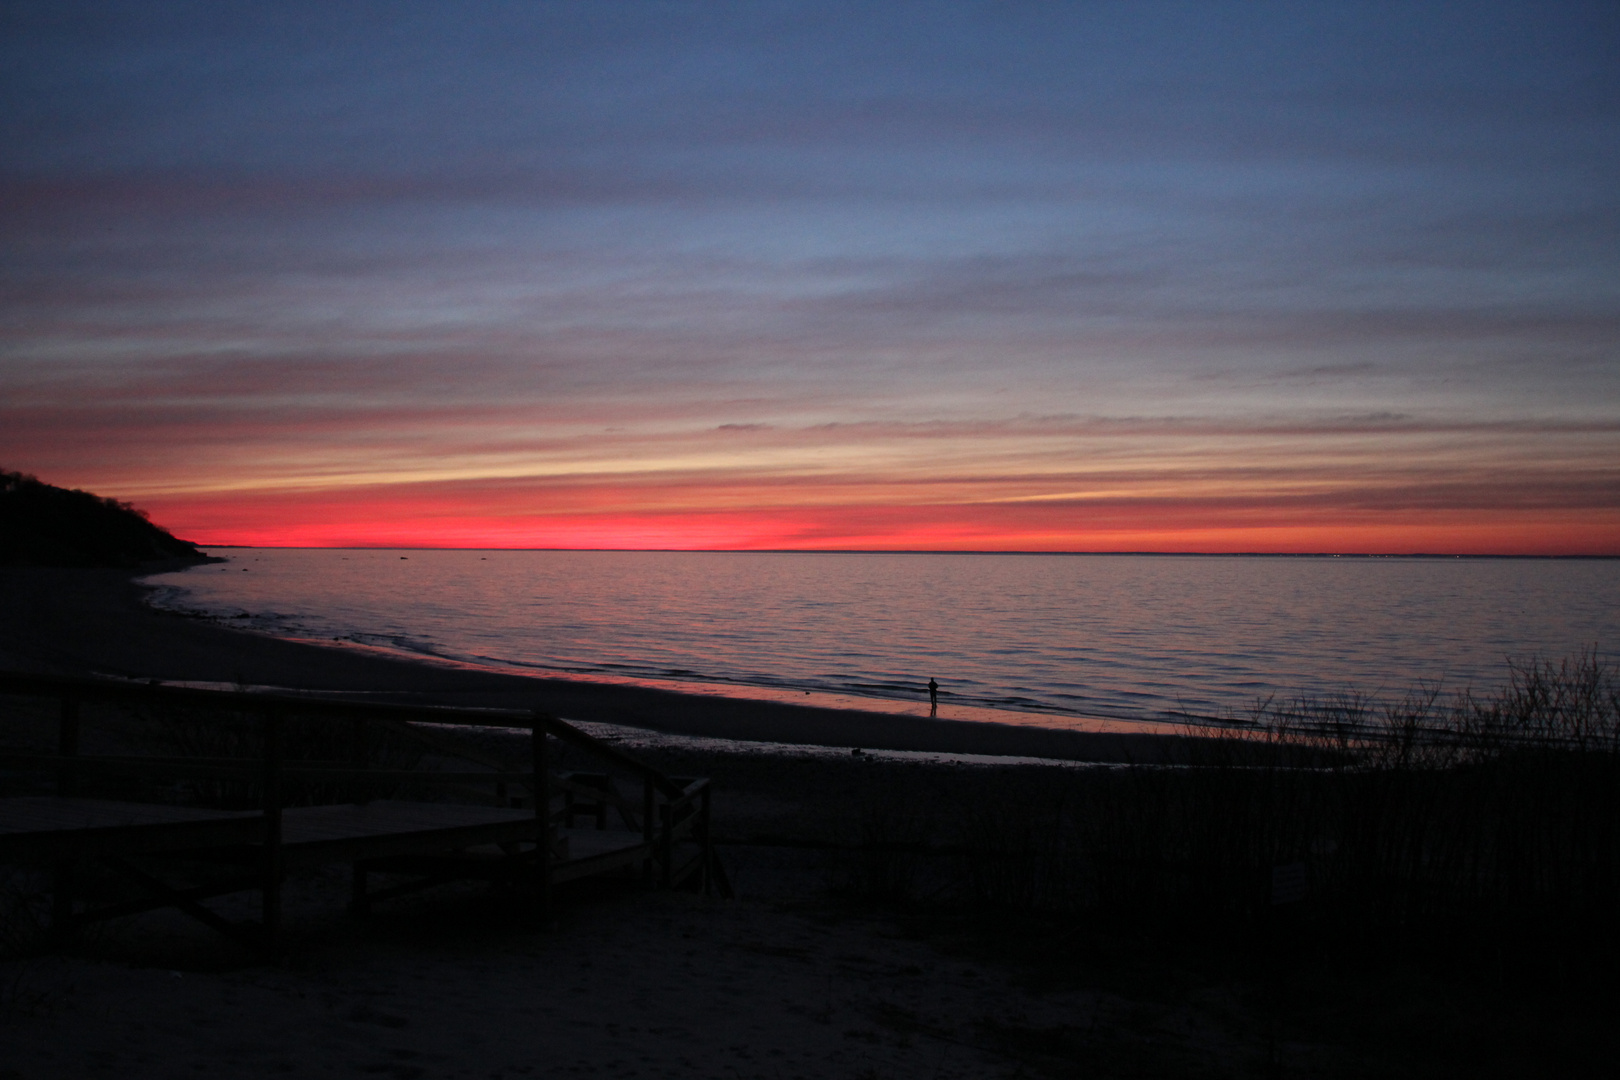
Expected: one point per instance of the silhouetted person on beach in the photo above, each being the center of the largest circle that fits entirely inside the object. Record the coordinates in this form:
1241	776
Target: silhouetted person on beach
933	697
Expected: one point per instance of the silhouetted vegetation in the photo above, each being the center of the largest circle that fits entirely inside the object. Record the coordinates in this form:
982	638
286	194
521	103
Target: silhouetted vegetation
1460	857
44	525
1479	833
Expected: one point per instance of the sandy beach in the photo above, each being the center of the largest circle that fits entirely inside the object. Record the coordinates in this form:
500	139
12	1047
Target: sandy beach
799	976
784	981
776	984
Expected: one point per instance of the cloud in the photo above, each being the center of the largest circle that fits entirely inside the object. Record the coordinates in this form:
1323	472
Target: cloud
526	514
1027	265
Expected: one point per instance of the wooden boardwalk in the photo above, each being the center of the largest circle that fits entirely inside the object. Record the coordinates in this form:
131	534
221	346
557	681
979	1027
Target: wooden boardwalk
526	841
46	828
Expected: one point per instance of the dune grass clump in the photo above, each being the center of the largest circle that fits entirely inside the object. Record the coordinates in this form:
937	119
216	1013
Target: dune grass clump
1479	831
1444	824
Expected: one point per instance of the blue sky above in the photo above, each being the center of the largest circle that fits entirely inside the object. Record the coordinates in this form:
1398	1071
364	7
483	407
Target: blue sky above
293	247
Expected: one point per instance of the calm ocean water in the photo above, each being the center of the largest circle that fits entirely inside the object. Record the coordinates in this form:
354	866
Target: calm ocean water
1048	636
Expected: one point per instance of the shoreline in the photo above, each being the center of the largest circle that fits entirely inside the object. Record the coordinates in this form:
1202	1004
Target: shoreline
915	707
97	622
839	957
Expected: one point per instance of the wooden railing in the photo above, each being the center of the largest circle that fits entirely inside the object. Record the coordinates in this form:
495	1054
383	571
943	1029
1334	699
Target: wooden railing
673	812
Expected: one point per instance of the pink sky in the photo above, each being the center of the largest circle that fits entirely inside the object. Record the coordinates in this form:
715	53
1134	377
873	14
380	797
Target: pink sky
1061	277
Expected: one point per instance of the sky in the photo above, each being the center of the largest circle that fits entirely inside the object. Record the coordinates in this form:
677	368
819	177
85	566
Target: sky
986	276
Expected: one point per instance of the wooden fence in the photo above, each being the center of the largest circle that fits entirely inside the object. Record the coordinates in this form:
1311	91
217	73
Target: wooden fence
522	840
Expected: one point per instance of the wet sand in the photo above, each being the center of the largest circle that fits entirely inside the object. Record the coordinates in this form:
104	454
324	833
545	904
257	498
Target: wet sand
96	622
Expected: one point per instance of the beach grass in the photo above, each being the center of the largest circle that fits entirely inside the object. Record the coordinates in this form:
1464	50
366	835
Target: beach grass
1481	833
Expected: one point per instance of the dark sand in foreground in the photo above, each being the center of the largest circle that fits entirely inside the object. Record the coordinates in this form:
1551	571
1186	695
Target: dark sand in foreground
96	622
794	978
785	981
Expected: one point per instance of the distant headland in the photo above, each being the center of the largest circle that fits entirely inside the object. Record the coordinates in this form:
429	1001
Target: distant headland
45	525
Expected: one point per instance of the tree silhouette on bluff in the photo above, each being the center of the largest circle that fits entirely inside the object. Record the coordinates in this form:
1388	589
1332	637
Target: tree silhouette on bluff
44	525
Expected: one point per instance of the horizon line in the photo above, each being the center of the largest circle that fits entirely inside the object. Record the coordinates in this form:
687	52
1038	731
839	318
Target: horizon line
930	551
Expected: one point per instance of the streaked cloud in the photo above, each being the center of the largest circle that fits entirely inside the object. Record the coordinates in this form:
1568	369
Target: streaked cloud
855	274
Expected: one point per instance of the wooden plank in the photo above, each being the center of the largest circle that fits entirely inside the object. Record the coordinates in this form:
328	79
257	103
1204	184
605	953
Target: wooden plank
236	701
67	746
722	880
195	892
479	865
321	834
428	881
30	813
545	830
589	843
347	849
313	835
36	828
60	828
272	866
587	865
224	768
686	869
254	938
590	852
308	824
648	810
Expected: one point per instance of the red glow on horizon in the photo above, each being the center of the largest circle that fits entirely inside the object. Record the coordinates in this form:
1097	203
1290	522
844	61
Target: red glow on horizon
386	518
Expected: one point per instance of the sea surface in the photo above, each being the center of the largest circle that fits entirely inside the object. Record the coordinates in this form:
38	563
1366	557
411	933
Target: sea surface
1054	640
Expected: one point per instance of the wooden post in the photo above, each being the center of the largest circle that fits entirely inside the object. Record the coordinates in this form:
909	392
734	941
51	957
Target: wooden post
542	814
359	757
272	827
62	923
667	842
708	845
359	900
67	746
649	806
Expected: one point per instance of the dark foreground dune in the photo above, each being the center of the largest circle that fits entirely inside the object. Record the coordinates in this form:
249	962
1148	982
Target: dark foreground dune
895	917
788	980
79	621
